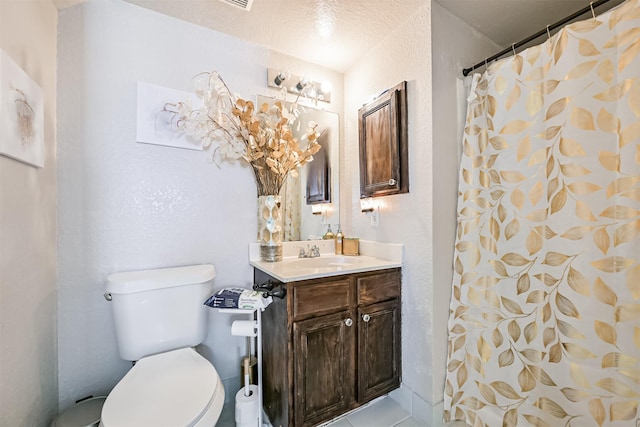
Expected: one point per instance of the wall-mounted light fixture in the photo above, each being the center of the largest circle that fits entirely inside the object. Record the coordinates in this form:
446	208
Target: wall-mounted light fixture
299	85
372	209
366	205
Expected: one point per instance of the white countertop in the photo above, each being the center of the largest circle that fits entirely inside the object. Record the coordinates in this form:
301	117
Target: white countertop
373	256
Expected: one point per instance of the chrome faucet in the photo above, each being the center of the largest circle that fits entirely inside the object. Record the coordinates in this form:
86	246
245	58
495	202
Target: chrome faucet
312	252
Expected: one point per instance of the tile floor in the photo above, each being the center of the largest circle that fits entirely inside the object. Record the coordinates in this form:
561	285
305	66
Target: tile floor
227	418
384	412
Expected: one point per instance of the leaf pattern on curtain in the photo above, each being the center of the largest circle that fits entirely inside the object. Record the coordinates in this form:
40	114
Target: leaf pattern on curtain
544	326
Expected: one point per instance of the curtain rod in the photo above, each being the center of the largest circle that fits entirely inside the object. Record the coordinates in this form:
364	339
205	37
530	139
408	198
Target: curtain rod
514	46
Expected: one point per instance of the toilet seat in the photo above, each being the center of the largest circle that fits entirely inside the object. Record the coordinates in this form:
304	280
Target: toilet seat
176	388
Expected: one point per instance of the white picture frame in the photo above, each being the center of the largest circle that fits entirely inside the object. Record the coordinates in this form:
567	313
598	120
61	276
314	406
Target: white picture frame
156	126
21	114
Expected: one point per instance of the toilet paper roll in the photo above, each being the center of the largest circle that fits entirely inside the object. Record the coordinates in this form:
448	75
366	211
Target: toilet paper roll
247	407
244	328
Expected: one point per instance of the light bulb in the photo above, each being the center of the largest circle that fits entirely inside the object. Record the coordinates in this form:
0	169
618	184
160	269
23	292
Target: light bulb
280	78
302	84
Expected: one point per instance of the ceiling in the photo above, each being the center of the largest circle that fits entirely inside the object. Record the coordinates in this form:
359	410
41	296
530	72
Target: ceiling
509	21
335	33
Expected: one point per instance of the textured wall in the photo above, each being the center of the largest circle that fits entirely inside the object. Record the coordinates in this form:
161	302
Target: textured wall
426	51
128	206
28	370
404	54
454	46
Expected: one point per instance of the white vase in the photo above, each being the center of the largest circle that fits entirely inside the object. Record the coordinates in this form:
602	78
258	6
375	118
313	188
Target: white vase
270	228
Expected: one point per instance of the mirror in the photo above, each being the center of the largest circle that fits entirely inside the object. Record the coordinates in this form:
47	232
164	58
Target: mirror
311	201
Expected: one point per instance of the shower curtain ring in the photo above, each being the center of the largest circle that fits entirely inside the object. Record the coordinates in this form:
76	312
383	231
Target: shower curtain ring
592	12
548	33
513	48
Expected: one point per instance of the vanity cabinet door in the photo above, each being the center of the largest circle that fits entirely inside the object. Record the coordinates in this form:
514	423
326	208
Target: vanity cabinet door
324	363
379	366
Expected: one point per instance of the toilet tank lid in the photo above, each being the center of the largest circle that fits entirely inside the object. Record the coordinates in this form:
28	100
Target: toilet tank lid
138	281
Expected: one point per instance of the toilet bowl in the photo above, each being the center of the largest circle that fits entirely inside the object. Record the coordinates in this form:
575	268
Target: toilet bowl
176	388
160	317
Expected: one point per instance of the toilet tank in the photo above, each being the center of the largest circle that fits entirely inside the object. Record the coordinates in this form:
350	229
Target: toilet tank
160	310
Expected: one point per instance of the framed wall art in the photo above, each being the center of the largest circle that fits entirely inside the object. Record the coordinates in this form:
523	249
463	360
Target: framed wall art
21	114
156	126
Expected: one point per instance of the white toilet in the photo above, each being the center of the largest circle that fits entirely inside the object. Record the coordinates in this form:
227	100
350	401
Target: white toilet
159	316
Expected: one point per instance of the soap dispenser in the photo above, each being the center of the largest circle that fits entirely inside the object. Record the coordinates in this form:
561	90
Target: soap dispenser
339	237
329	234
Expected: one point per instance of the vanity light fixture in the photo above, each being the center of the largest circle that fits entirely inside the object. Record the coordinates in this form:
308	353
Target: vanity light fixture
296	85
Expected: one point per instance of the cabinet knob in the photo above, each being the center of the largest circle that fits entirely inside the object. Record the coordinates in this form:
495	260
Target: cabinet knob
392	181
366	317
348	322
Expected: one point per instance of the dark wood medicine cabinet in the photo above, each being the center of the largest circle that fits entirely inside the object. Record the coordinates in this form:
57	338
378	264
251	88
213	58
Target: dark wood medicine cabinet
382	129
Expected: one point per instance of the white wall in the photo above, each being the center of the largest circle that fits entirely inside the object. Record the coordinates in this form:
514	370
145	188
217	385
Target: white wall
428	51
28	372
128	206
404	54
455	46
125	206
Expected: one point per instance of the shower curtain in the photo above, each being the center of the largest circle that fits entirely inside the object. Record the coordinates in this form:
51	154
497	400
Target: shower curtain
544	326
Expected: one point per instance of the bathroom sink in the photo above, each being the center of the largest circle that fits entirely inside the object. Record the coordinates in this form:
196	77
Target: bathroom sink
293	268
373	256
323	262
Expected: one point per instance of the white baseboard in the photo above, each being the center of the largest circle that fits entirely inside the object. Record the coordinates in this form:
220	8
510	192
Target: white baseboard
420	410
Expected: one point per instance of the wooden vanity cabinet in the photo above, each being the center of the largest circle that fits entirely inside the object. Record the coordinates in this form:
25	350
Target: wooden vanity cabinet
330	346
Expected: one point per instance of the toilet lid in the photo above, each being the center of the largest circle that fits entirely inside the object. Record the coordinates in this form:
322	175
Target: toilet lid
167	389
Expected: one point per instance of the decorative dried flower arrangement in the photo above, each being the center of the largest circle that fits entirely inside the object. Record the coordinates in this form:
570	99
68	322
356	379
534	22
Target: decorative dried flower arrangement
232	128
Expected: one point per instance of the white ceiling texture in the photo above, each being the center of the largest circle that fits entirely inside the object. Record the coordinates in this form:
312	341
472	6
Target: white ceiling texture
334	33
